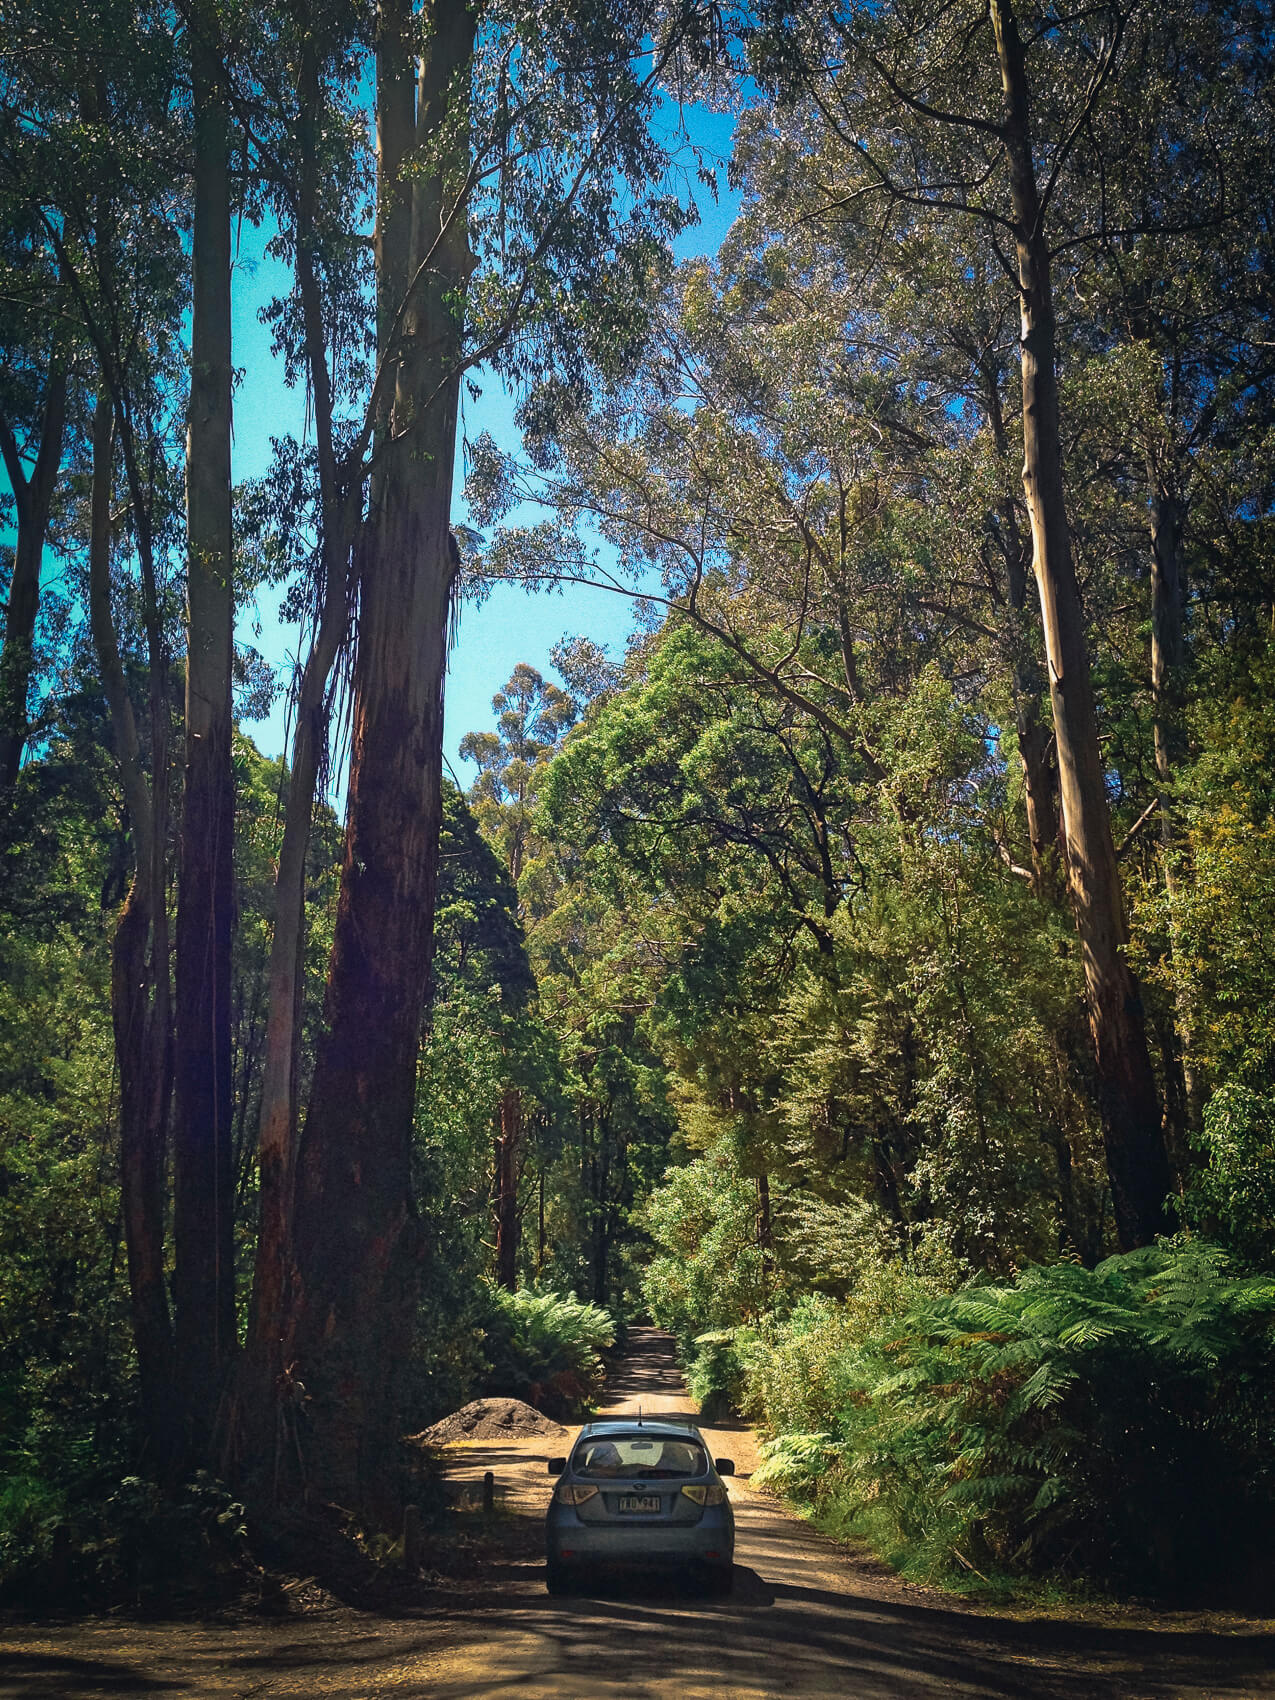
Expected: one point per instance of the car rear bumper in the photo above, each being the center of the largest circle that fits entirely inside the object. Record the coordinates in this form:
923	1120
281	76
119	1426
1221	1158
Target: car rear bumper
710	1541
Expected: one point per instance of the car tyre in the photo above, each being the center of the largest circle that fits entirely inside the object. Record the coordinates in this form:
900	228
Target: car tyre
557	1579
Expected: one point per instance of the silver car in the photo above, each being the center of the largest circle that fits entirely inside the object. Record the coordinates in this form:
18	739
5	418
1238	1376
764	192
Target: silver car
639	1492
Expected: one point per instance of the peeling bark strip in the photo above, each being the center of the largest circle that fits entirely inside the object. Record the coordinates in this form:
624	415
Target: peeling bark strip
203	1219
33	498
353	1303
1130	1109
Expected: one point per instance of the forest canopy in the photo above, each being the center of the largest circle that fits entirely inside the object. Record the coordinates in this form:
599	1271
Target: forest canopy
867	976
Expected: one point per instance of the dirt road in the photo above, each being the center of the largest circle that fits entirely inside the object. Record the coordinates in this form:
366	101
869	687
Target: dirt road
807	1618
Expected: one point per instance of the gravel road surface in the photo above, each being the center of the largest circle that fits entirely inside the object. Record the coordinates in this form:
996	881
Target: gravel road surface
807	1618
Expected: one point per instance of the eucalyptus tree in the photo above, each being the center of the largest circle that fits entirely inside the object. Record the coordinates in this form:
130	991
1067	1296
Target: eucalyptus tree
1176	293
532	715
948	114
296	104
92	162
522	204
203	1205
35	378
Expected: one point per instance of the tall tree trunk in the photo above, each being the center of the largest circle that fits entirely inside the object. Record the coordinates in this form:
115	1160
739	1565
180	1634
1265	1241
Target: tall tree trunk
508	1146
139	1003
540	1218
355	1235
1168	657
765	1231
264	1365
1136	1161
600	1190
203	1222
33	498
1040	783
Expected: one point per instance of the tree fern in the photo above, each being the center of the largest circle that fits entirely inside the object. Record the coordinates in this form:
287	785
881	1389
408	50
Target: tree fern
1117	1422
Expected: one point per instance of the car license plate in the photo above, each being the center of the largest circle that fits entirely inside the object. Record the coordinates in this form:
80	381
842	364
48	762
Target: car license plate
639	1502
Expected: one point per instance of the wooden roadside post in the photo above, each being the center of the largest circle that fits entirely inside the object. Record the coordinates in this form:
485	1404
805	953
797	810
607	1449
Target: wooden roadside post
411	1537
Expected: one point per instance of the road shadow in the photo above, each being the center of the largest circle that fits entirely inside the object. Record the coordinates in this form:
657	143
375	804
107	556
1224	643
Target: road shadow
51	1676
647	1635
648	1369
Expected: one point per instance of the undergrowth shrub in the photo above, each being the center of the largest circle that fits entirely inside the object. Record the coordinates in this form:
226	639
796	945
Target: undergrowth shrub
799	1362
136	1544
546	1348
1231	1193
1116	1424
717	1370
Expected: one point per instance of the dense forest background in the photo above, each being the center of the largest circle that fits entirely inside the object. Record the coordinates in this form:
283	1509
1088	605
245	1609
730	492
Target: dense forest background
869	976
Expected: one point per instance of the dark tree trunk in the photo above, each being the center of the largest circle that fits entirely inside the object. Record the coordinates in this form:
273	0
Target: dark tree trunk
1130	1110
600	1190
540	1222
356	1252
139	1002
765	1229
505	1190
33	498
203	1222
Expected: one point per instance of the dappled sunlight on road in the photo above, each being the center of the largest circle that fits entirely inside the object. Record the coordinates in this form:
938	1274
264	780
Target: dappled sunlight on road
807	1618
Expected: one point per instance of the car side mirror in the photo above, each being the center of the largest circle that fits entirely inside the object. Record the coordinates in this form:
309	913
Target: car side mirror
724	1466
557	1466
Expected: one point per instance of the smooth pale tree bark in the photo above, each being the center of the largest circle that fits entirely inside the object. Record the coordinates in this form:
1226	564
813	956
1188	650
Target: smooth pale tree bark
33	499
1040	788
203	1218
278	1119
139	998
1040	785
356	1252
1129	1104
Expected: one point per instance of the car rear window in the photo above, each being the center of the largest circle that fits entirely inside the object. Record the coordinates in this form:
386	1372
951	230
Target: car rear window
653	1457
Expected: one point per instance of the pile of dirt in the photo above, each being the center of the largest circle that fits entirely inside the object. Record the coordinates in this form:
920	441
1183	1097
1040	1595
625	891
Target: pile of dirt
490	1419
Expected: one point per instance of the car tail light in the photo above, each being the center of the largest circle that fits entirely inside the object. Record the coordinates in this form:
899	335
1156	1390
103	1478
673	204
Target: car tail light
572	1493
706	1493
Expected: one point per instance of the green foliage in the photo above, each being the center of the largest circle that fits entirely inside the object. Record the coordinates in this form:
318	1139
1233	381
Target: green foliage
546	1348
134	1545
717	1373
708	1272
1216	927
66	1362
1232	1196
191	1544
1114	1423
482	1029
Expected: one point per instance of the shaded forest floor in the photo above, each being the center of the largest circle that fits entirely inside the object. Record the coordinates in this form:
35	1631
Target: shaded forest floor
808	1617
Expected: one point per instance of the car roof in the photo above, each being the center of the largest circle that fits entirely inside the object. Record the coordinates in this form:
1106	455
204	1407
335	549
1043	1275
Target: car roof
647	1425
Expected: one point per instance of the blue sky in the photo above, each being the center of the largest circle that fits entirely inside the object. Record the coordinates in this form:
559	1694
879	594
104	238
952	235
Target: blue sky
512	625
